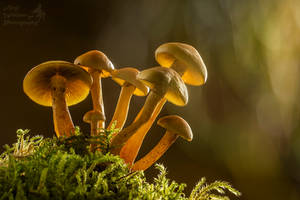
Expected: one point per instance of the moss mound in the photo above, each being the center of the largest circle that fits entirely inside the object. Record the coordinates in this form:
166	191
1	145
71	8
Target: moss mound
49	168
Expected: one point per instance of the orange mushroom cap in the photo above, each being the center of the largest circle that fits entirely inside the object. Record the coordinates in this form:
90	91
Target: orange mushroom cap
93	115
176	125
195	70
96	60
37	82
167	83
129	75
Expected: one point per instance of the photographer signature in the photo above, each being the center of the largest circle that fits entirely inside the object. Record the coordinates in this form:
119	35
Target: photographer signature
14	15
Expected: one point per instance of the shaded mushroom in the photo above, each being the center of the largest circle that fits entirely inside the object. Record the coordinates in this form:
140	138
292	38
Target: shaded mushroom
58	84
165	84
127	79
92	117
175	126
98	65
184	59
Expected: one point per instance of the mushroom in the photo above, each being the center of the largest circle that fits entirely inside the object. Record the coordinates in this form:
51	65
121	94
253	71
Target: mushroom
175	126
127	78
92	117
187	62
98	65
184	59
58	84
165	84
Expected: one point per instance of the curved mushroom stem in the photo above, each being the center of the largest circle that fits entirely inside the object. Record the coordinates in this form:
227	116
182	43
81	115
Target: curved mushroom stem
63	124
133	145
121	110
150	105
96	92
178	67
165	142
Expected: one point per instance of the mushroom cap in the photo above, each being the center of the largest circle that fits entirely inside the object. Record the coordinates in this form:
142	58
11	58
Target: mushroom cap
96	60
167	83
176	125
37	82
93	115
129	75
196	73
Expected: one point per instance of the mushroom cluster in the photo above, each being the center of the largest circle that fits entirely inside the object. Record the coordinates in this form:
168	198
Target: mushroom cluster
60	84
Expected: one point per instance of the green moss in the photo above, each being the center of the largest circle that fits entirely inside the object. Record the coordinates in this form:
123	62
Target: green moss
49	168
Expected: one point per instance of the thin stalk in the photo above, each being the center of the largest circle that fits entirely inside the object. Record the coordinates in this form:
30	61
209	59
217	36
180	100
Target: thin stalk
121	110
97	98
130	150
150	105
163	145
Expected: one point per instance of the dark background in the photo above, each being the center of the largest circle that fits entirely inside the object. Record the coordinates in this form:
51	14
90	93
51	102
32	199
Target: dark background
245	119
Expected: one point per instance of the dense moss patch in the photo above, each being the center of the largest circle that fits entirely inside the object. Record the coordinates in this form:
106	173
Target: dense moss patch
49	168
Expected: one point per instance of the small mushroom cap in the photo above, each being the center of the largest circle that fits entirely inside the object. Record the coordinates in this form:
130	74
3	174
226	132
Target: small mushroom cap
93	115
196	73
176	125
165	82
95	60
37	82
129	75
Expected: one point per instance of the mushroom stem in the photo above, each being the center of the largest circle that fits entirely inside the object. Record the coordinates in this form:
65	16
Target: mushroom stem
121	110
165	142
133	145
96	92
92	117
178	67
94	128
150	105
63	124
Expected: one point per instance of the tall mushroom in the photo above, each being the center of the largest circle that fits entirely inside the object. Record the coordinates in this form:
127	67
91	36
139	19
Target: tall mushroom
58	84
165	84
98	65
175	126
187	62
127	78
184	59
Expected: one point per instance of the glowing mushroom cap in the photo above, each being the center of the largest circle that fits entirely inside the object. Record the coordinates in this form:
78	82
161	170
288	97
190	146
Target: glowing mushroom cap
195	70
95	60
176	125
93	115
37	82
129	75
165	82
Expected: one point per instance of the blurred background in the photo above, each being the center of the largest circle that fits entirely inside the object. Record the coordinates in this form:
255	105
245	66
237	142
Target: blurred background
245	119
